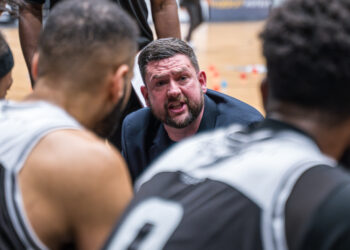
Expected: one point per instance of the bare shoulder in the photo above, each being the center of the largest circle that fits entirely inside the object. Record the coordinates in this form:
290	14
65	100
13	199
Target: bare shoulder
79	182
77	151
76	160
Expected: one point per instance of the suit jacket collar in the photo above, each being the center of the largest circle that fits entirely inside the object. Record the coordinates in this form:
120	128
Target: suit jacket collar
160	143
209	115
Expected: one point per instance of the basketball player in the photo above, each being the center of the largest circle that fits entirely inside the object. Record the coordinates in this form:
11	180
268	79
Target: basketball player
61	186
6	66
275	186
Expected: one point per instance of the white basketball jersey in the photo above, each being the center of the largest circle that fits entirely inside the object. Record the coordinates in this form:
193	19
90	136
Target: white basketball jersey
22	125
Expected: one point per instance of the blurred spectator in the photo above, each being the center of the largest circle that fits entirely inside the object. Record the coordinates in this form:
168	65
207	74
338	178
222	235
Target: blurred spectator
194	10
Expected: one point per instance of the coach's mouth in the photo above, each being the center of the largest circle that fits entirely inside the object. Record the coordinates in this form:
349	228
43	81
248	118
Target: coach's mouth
177	107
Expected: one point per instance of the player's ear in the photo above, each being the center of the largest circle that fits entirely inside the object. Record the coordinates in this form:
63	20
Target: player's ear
202	78
264	90
119	82
34	67
144	92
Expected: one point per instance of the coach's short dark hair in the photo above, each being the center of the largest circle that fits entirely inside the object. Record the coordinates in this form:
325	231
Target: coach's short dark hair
84	39
307	48
165	48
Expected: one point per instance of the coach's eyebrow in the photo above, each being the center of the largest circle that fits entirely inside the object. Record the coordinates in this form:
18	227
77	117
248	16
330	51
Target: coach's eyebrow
174	71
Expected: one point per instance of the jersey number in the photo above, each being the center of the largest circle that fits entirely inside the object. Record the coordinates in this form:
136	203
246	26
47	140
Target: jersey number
148	226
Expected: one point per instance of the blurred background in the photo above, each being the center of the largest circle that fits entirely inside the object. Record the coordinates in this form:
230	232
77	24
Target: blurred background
226	42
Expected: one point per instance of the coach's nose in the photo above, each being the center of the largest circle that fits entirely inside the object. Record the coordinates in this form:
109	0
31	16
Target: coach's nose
173	89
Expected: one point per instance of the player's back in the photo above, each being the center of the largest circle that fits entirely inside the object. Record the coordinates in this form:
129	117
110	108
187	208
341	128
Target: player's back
224	190
22	126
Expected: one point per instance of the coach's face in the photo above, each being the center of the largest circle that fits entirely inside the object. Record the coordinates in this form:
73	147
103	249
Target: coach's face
175	91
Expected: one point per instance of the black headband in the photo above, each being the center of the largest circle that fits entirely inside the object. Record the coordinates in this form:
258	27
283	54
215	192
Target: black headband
6	63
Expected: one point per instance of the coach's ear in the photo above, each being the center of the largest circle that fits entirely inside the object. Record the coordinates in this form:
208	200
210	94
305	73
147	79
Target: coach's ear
144	92
264	90
202	78
34	68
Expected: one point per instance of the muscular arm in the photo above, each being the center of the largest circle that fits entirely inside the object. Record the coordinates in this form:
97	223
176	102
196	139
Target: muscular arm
29	26
102	200
165	18
74	189
2	7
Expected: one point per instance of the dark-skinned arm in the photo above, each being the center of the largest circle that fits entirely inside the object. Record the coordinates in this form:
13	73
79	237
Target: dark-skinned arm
29	26
166	18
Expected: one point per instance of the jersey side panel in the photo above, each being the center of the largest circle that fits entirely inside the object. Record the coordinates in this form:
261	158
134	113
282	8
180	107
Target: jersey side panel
9	238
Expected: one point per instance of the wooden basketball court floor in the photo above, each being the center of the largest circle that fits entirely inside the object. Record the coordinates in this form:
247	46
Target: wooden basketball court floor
229	53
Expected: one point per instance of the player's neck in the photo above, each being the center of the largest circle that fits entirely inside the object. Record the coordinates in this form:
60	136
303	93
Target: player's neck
177	134
332	140
74	104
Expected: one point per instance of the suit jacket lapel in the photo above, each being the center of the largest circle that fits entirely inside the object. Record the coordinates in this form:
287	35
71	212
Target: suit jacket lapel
209	116
160	143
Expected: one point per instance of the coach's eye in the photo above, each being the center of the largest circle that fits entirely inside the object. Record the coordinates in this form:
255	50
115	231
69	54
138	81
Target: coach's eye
160	83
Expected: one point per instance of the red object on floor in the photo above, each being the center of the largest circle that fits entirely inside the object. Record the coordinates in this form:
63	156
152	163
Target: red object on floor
243	75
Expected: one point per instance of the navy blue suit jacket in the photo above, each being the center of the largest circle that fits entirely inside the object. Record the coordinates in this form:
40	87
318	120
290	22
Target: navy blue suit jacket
144	137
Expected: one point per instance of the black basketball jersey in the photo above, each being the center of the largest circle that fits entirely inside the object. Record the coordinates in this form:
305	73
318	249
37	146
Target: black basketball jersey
263	188
137	9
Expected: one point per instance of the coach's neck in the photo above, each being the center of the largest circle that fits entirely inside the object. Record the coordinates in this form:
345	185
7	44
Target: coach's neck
73	103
